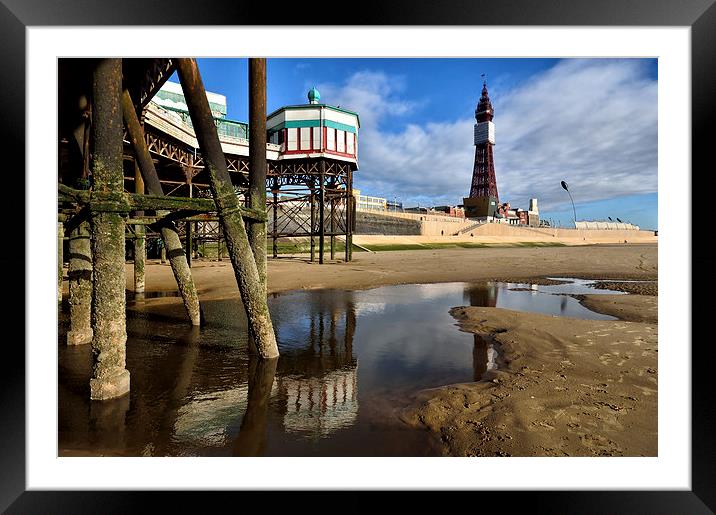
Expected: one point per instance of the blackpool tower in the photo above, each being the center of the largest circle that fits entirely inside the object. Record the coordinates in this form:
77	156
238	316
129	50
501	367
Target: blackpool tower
483	199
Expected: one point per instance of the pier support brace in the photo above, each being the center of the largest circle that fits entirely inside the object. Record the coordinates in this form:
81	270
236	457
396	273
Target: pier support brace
110	378
172	247
80	286
227	204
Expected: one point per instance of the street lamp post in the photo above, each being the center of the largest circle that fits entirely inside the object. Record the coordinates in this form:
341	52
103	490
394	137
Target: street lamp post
564	185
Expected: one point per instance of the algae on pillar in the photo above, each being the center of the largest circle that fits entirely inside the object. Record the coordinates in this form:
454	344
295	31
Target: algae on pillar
140	242
227	204
80	286
140	257
171	244
110	378
60	259
257	162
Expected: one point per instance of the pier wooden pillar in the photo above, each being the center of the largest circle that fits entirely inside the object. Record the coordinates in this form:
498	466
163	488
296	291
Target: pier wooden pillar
188	243
110	378
60	259
321	213
80	286
140	242
227	204
313	225
188	233
257	163
172	244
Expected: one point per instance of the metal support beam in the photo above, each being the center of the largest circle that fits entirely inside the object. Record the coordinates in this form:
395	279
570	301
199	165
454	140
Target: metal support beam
227	204
110	378
333	227
274	191
350	216
313	225
172	243
321	212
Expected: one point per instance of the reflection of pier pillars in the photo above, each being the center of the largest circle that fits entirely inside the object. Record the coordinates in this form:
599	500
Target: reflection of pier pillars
251	440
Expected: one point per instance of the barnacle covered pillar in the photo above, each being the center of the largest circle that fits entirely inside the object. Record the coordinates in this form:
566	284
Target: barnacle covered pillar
140	242
80	286
110	378
60	259
172	247
257	162
253	292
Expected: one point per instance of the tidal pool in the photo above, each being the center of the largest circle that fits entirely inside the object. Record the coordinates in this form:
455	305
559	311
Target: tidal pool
350	360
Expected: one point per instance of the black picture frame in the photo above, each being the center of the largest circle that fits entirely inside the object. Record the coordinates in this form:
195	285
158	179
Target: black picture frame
16	15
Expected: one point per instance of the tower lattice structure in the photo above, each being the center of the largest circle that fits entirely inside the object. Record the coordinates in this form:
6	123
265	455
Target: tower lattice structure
484	183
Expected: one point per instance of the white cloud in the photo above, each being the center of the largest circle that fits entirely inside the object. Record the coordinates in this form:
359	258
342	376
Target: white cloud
592	123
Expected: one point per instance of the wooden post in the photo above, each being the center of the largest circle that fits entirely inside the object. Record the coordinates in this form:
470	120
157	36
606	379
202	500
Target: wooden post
188	242
321	213
172	244
60	259
313	225
140	245
110	378
257	163
227	204
188	234
80	286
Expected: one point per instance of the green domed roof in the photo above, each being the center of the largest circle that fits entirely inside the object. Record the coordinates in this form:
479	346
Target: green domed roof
313	95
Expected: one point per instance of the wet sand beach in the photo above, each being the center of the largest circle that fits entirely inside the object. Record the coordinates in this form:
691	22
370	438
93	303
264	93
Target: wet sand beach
563	386
568	387
215	279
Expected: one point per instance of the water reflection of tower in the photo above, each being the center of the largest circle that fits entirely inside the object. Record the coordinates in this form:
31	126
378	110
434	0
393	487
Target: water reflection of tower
484	295
483	351
317	383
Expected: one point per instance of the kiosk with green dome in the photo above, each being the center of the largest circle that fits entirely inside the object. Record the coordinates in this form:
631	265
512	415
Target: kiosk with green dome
317	154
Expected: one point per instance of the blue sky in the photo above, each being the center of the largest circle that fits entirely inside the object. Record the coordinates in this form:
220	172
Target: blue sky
591	122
